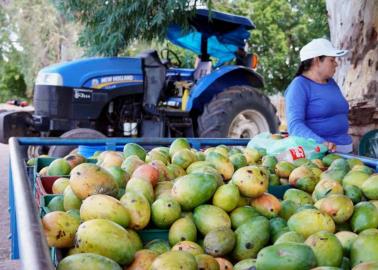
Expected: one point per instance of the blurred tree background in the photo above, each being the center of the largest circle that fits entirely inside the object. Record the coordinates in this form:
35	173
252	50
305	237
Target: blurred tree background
38	33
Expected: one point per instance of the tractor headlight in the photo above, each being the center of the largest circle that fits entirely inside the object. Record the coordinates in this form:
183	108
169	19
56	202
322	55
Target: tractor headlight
49	79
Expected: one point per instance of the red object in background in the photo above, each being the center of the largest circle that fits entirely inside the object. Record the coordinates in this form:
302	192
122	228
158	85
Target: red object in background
17	102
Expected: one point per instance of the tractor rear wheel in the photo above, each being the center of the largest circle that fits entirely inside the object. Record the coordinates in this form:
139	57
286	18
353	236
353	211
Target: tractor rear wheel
82	133
238	112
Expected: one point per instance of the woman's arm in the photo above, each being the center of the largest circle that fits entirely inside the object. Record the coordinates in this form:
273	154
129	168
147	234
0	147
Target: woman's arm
296	102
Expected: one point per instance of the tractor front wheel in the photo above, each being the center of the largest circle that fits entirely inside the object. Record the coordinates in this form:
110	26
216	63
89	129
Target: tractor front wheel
238	112
82	133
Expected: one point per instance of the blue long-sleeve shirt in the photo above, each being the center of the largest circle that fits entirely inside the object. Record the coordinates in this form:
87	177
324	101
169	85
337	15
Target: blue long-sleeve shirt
317	111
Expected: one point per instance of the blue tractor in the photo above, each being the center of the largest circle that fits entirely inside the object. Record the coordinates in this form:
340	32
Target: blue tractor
149	96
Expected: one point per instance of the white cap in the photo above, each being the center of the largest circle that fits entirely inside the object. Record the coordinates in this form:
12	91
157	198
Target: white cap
318	47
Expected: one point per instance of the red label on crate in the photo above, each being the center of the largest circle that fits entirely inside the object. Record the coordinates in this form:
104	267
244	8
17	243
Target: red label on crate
297	153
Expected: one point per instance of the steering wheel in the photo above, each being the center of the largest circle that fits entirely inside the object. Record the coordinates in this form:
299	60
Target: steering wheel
166	53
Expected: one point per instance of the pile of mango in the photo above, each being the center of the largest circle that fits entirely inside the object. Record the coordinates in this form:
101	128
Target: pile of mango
216	208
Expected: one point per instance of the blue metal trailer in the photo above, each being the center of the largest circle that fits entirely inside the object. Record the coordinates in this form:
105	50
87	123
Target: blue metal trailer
28	241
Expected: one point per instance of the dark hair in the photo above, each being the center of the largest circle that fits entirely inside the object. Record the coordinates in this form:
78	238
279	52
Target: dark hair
306	64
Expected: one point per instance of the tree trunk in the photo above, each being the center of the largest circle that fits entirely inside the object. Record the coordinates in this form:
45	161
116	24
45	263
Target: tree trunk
354	26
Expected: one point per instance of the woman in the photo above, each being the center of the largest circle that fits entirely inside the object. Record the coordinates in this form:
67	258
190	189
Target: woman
315	106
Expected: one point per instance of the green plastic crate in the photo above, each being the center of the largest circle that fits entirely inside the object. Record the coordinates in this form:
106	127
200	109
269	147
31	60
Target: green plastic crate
44	202
148	235
278	191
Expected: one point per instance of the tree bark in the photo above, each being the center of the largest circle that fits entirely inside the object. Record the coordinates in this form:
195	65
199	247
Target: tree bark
354	26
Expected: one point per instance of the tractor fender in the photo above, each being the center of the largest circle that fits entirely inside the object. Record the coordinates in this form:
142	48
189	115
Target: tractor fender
219	80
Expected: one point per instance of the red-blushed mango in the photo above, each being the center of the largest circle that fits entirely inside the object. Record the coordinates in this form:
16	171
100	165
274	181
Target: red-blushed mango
142	260
59	229
366	266
147	172
74	159
267	205
88	179
337	206
163	170
251	181
224	264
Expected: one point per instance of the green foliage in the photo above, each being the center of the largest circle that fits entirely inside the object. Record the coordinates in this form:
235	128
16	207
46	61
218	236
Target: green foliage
282	28
12	83
111	26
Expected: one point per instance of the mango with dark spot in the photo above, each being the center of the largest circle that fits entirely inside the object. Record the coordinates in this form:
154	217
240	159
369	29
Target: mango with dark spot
251	237
165	211
59	229
326	247
251	181
189	246
267	205
223	165
219	242
138	208
181	230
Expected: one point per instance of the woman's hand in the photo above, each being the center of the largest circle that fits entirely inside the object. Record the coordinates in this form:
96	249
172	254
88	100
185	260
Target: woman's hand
331	146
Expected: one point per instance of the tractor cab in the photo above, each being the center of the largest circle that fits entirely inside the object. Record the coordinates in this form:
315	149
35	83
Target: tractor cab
211	35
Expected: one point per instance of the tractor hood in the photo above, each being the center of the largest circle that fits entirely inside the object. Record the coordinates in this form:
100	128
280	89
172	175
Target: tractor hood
225	33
